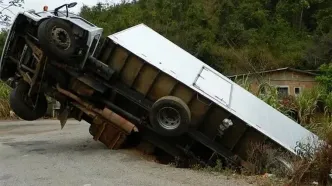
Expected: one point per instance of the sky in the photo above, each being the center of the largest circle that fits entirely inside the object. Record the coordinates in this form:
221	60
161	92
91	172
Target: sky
38	5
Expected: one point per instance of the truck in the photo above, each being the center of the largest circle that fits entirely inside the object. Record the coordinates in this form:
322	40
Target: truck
137	83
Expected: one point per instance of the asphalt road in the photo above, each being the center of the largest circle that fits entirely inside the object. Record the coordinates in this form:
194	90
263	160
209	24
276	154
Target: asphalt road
39	153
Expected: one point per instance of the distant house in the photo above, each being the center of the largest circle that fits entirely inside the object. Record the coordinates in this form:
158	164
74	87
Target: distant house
289	81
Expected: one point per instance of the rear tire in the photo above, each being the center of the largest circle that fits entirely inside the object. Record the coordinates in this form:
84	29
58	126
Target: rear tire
22	105
170	116
56	39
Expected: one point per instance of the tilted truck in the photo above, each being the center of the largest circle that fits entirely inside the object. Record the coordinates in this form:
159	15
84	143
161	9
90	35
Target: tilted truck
136	82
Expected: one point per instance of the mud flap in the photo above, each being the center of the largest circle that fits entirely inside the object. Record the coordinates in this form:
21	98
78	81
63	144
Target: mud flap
63	117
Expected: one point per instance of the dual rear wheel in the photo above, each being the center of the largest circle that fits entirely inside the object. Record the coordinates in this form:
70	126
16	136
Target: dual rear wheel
170	116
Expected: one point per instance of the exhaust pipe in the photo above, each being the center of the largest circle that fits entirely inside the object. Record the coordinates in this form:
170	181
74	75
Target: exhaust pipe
106	113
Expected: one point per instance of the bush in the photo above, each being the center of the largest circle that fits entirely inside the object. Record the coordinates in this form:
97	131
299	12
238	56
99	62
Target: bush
317	166
306	104
267	159
315	163
4	103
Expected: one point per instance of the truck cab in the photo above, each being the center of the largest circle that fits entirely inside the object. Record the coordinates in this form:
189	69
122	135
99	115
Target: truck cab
61	35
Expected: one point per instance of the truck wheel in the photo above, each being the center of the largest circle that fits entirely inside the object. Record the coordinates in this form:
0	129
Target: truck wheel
92	130
22	105
56	39
170	116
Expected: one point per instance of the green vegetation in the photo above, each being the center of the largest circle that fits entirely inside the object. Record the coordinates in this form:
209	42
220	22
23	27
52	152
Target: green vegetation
313	110
4	104
318	120
232	36
325	77
239	37
4	89
3	36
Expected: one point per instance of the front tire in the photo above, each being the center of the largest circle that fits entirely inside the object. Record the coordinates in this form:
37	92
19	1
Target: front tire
57	39
23	106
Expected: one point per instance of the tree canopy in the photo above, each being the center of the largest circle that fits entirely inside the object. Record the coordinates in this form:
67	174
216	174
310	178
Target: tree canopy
232	36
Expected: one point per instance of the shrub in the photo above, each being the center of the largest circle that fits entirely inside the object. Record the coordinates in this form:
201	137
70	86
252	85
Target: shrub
4	104
317	166
267	159
306	103
315	163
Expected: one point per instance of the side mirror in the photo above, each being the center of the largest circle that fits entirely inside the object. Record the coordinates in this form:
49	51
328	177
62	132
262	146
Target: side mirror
71	5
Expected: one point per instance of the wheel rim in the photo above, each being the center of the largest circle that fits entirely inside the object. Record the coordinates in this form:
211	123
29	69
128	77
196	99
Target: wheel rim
61	38
169	118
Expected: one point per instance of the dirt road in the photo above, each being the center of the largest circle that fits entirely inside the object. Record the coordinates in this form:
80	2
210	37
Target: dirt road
39	153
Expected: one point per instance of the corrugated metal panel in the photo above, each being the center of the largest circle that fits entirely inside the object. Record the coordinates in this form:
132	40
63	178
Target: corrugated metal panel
171	59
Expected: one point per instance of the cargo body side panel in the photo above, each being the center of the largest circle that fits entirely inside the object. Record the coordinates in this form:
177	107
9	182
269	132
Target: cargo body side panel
177	68
154	84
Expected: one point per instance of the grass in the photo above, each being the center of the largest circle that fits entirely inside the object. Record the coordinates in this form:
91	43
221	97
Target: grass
4	103
257	179
306	169
311	167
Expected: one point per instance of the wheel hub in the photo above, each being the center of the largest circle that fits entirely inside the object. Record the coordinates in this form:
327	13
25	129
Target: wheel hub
169	118
61	38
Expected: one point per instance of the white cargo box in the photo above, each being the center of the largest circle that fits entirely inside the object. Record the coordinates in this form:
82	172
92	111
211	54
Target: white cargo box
171	59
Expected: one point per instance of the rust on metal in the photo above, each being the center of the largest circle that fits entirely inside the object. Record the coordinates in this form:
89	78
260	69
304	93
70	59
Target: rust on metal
118	120
112	137
106	132
36	52
40	66
86	111
25	76
81	88
111	129
100	124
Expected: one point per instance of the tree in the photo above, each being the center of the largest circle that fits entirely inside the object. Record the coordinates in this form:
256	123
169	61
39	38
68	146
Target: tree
325	78
231	36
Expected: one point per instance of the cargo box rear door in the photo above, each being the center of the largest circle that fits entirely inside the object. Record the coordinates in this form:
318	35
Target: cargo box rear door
214	85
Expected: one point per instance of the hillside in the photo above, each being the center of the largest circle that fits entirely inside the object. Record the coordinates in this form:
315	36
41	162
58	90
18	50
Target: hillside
232	36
